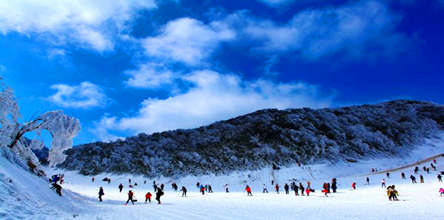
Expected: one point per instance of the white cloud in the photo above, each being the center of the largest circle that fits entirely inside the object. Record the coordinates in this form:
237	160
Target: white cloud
85	95
82	22
187	40
215	97
359	29
149	75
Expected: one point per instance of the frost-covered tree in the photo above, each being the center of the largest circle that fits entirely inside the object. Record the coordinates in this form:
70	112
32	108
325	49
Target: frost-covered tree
62	128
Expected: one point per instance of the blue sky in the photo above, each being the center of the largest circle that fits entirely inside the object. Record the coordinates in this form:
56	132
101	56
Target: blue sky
147	66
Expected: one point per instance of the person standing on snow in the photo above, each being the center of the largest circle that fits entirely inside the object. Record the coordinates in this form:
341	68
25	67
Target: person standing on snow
265	190
295	188
383	183
120	187
421	179
148	197
159	193
439	177
101	193
354	186
402	175
210	189
286	188
325	190
367	180
184	191
277	188
334	185
162	186
301	187
226	188
388	175
248	189
413	178
441	191
130	197
202	189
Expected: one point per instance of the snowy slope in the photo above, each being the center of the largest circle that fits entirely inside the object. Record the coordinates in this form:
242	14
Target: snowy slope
29	197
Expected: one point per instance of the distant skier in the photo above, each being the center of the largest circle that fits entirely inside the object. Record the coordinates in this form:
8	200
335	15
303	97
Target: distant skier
428	170
92	179
120	187
324	189
367	180
433	166
248	189
101	193
307	191
301	187
159	193
226	188
334	185
421	179
198	185
383	183
148	196
162	186
286	188
155	187
354	186
413	178
210	189
202	189
265	190
129	181
402	175
388	175
130	197
416	170
295	188
276	187
184	191
441	191
439	177
174	186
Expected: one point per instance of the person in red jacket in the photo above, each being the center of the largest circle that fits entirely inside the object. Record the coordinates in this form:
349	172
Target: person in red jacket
277	188
130	197
325	189
307	191
148	197
248	189
354	186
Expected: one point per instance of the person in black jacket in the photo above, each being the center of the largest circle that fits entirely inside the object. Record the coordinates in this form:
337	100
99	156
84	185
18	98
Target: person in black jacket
120	187
295	188
159	193
334	185
101	193
286	188
301	187
184	191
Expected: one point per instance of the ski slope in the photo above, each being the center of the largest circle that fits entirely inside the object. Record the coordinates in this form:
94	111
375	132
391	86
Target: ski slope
417	201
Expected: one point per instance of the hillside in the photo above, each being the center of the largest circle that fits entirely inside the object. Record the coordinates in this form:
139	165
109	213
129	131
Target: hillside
259	139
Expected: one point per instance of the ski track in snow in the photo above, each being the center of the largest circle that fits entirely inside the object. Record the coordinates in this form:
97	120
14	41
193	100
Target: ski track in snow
418	201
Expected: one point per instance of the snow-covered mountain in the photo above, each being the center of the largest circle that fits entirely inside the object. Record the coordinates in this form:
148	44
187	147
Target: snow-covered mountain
256	140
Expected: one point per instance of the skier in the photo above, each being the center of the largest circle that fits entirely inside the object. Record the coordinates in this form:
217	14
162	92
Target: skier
248	189
439	177
441	191
155	187
58	188
277	188
159	193
202	189
421	179
433	166
403	175
184	191
198	185
174	186
210	189
101	193
226	188
388	175
265	190
301	187
162	186
428	170
392	193
383	183
416	170
148	197
413	178
120	187
325	190
287	188
129	180
92	179
368	181
295	188
333	185
354	186
130	197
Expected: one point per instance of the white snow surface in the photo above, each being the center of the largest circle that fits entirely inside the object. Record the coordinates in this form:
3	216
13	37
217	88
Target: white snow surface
417	201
